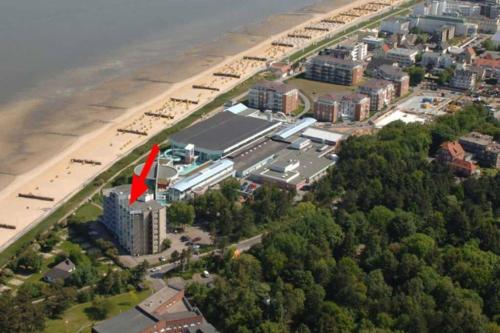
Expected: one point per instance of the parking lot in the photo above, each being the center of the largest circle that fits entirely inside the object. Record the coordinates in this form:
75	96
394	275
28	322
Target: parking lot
193	237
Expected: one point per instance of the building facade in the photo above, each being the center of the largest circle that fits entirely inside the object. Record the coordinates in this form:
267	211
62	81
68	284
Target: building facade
275	96
463	79
350	106
395	26
484	148
330	69
326	109
352	50
404	57
380	92
140	228
399	78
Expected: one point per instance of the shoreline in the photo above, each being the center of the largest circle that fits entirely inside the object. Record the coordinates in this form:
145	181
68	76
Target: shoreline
60	179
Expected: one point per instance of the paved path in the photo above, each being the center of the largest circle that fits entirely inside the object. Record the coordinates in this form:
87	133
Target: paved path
156	278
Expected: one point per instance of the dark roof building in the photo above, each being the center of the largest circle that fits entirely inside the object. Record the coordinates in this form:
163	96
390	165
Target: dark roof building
165	311
60	272
221	134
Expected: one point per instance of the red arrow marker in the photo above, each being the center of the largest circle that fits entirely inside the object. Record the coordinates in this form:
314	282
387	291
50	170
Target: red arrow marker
139	182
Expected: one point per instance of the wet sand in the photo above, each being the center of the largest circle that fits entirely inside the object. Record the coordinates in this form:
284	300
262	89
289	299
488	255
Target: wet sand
38	160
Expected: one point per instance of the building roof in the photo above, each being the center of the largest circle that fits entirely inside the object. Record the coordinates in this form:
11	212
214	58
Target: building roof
401	51
484	62
376	62
454	148
322	135
202	175
249	156
331	60
152	303
297	165
280	87
477	138
237	108
463	165
375	84
222	131
131	321
294	128
61	271
392	71
445	19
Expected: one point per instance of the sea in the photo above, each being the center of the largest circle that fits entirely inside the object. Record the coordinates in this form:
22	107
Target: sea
51	48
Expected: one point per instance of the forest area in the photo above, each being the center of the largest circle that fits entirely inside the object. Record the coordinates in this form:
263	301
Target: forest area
389	241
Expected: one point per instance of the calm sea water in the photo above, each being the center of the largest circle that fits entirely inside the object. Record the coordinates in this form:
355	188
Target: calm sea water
43	40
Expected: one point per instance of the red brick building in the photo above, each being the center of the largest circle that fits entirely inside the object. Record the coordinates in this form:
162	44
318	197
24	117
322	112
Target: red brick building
453	155
275	96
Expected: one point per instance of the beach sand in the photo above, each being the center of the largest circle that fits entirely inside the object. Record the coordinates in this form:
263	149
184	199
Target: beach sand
38	160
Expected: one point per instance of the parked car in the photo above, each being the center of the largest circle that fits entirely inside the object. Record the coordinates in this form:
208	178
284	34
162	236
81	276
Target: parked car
205	274
196	239
185	238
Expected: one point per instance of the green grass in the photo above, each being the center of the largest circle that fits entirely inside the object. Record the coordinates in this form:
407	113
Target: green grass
314	89
76	320
88	212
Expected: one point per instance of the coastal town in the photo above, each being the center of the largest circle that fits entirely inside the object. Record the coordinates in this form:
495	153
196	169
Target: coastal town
250	143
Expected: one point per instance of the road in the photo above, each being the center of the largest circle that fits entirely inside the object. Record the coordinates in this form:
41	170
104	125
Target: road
156	278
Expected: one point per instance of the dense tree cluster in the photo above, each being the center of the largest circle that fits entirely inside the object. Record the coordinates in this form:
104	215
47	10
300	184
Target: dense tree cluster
388	242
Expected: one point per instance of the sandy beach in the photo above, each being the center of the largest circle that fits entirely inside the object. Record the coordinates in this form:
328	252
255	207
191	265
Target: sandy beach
92	119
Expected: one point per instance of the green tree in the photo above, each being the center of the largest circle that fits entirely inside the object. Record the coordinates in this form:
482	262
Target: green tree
417	74
181	213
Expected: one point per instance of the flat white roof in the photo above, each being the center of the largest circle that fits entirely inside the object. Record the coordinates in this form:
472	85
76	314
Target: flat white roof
315	133
238	108
398	115
201	176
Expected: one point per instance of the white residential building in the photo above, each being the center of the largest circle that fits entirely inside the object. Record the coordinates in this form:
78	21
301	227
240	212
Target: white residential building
395	26
404	57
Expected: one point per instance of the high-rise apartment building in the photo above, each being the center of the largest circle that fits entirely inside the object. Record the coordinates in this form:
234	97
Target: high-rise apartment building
140	228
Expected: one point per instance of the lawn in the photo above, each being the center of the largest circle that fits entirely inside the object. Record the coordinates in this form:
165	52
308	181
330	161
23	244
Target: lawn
314	89
88	212
75	318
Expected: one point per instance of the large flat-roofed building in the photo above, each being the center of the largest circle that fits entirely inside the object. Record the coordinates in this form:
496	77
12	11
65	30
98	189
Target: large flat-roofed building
330	69
275	96
165	311
256	155
297	166
204	177
140	228
221	134
434	23
404	57
395	26
381	93
397	76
